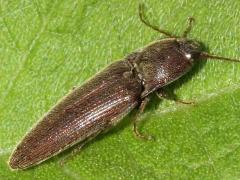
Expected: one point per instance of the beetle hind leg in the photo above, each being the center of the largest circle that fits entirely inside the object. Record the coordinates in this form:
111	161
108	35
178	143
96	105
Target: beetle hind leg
136	131
77	149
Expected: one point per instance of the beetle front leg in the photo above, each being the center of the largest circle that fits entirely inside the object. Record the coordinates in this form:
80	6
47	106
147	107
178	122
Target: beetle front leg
162	94
136	121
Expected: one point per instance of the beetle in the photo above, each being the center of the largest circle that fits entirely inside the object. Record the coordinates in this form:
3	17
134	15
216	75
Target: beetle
104	100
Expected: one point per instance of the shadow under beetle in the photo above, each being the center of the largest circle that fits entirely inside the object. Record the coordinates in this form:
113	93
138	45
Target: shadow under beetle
104	100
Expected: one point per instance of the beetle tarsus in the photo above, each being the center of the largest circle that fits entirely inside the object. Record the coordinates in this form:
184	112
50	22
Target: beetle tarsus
189	27
185	102
142	136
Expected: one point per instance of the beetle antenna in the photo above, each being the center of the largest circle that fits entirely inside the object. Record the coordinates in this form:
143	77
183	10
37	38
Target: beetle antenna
146	22
206	55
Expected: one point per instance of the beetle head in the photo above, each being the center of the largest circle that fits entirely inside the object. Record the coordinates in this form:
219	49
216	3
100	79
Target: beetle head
191	48
195	50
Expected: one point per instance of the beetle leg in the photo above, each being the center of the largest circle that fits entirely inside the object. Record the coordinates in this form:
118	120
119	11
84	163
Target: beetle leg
162	94
136	120
78	148
189	27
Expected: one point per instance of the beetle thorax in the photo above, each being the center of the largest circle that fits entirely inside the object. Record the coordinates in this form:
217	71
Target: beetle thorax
161	63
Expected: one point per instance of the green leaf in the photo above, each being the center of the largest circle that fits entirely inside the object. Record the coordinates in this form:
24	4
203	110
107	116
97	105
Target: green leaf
48	47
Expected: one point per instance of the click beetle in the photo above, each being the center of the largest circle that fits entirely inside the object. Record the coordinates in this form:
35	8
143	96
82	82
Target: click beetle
104	100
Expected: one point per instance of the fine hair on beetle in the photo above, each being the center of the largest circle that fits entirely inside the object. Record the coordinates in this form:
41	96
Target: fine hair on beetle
100	103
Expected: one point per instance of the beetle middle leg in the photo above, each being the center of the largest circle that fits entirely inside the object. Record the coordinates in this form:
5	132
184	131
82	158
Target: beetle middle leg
136	120
163	94
77	149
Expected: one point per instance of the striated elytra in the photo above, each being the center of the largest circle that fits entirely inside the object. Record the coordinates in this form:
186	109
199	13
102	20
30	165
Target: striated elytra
104	100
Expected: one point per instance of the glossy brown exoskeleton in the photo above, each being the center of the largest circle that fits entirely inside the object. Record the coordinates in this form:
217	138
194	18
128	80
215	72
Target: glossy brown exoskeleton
105	99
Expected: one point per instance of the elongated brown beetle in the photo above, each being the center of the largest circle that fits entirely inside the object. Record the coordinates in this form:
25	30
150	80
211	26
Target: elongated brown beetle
109	96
